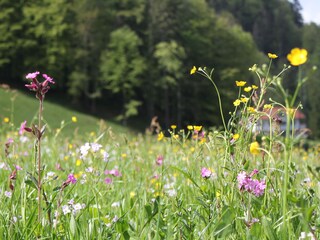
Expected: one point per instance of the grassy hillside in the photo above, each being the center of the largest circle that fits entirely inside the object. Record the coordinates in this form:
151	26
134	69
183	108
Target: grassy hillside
19	106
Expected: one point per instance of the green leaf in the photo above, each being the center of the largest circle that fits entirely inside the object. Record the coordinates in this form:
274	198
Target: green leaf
269	231
73	225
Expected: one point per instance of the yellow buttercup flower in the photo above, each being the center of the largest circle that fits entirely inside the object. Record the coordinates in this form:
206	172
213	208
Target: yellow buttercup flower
189	127
251	109
237	102
197	128
173	126
267	106
254	148
236	136
160	136
74	119
78	162
272	56
132	194
297	56
6	119
247	89
244	99
240	83
254	87
193	70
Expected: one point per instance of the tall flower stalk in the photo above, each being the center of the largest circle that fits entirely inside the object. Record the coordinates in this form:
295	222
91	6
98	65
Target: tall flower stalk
41	88
296	58
203	72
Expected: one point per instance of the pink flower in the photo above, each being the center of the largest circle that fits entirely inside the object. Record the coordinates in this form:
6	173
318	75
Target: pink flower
115	172
108	180
71	178
32	75
18	167
159	160
22	127
242	179
48	79
254	186
205	173
41	88
259	189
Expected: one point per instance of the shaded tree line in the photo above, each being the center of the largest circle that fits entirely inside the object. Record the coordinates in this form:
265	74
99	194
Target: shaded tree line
137	54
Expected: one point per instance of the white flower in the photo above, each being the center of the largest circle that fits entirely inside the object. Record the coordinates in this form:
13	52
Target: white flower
172	193
115	204
83	179
8	194
66	209
105	156
95	147
89	169
71	201
3	166
76	208
24	139
84	150
115	219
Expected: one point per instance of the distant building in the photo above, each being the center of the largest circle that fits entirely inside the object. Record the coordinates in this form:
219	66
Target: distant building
278	121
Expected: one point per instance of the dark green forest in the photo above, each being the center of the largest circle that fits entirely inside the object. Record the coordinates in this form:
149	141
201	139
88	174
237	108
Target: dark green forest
132	58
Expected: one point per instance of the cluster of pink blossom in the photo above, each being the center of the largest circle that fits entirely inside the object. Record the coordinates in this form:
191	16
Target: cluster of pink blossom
41	88
114	172
254	186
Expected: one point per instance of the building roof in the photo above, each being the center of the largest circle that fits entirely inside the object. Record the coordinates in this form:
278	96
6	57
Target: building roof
281	112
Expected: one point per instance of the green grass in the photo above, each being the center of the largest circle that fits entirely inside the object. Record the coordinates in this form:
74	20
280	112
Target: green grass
236	183
19	106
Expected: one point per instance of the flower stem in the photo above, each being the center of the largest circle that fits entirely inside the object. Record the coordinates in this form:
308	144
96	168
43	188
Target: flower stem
39	161
287	156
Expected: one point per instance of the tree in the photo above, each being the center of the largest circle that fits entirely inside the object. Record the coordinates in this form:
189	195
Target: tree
122	67
47	34
310	94
170	56
11	39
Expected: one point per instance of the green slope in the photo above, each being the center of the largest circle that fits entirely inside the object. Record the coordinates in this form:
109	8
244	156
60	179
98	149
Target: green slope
18	106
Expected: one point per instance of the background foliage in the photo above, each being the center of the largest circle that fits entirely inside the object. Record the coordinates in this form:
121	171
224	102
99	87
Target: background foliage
134	55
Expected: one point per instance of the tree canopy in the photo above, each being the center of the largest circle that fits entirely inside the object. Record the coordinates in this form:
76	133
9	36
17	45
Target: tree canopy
139	53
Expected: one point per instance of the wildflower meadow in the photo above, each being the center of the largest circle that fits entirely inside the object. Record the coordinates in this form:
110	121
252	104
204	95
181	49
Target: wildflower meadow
237	181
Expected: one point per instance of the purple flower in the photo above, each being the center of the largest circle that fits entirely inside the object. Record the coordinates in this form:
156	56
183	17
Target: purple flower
71	178
205	173
159	160
115	172
32	75
254	186
259	189
108	180
18	167
22	127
